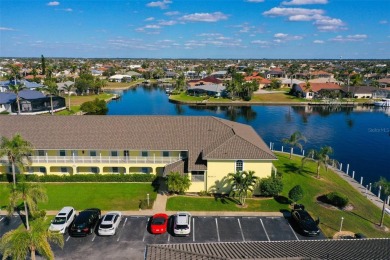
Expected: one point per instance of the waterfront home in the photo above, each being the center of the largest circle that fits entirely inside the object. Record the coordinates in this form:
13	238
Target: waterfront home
204	81
206	149
259	79
31	102
365	92
212	90
317	90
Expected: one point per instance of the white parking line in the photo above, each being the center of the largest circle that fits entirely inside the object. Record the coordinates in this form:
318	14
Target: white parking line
124	223
265	230
293	231
94	236
146	230
216	223
67	239
242	233
193	230
1	219
169	237
249	217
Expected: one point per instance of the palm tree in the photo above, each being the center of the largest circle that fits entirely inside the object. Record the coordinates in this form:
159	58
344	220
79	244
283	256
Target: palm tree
295	141
17	151
17	244
292	70
68	89
385	189
242	183
52	89
16	88
31	194
321	157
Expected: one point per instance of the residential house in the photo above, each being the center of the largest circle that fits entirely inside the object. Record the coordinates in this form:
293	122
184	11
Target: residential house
275	73
384	82
317	90
263	83
31	102
61	87
212	90
204	81
365	92
221	74
206	149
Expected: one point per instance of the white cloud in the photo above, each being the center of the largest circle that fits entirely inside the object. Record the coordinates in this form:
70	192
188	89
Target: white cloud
68	10
318	41
152	26
6	29
54	3
350	38
260	42
282	11
383	22
167	23
322	22
304	2
283	37
255	1
172	13
204	17
161	4
149	19
280	35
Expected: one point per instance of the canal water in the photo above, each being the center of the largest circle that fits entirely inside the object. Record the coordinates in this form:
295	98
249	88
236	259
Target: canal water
359	136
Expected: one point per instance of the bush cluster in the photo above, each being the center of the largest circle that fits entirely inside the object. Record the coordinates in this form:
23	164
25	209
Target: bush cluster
271	186
143	204
80	178
336	199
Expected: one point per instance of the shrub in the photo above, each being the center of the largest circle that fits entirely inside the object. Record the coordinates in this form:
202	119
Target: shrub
143	204
271	186
203	193
178	183
296	193
336	199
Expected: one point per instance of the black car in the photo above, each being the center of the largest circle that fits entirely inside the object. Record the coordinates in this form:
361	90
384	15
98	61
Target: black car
85	222
304	222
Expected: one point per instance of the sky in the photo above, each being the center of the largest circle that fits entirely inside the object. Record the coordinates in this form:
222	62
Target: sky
196	29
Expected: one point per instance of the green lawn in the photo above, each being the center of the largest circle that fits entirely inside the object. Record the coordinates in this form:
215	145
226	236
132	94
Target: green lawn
106	196
183	203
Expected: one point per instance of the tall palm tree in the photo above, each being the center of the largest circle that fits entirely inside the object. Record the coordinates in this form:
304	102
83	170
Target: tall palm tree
385	190
68	89
295	141
294	68
18	243
17	150
321	157
16	88
31	194
52	89
242	183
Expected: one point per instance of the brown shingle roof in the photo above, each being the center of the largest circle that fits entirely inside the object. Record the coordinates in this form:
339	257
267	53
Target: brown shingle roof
219	137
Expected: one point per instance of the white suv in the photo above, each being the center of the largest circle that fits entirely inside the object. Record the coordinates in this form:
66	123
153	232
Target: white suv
63	220
182	224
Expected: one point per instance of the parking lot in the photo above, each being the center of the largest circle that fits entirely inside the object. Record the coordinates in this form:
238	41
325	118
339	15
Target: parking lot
132	235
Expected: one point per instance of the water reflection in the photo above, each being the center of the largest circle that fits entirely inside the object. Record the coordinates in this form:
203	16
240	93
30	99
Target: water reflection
233	113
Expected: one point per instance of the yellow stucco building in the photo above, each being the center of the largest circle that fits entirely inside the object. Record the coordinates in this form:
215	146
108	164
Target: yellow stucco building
206	149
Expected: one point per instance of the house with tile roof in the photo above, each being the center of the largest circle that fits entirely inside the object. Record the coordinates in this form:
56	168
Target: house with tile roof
316	90
206	149
263	82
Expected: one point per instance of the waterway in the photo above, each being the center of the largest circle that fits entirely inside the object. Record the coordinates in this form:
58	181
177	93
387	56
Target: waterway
360	136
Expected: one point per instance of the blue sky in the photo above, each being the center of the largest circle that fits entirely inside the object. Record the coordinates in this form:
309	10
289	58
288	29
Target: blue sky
272	29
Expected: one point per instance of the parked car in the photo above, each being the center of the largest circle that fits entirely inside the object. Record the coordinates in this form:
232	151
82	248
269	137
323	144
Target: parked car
63	220
182	224
159	223
304	222
110	223
85	223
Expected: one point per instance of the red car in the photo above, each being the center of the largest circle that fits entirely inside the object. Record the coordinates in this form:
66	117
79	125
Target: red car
159	223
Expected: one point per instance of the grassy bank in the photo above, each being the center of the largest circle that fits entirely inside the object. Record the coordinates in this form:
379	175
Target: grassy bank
106	196
76	101
364	217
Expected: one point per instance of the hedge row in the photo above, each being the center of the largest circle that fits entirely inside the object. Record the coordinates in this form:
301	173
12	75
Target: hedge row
80	178
337	199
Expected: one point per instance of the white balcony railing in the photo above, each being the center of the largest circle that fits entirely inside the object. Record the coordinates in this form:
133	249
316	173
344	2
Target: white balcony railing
100	159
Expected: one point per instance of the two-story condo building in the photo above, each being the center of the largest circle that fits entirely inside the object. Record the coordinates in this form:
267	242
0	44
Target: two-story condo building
206	149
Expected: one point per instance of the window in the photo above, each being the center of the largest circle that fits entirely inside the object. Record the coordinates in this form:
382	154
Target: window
62	153
183	154
115	169
165	154
114	153
92	153
42	169
144	154
94	170
239	166
64	170
145	170
41	153
197	176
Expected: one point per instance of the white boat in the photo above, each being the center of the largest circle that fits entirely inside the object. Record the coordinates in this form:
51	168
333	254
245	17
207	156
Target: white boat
383	103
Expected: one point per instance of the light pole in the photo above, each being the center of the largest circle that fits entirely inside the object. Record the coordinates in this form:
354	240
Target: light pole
341	224
147	198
